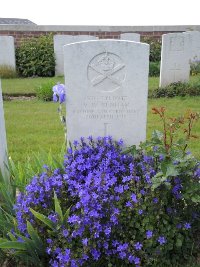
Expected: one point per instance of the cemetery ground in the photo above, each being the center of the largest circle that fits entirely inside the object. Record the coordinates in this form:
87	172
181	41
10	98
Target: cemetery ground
33	125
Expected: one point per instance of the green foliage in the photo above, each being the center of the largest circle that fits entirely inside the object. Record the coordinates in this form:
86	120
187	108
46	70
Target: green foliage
7	72
194	67
155	48
154	69
44	91
177	89
35	57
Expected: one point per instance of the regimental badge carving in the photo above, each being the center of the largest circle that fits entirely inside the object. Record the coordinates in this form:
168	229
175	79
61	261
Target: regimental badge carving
106	72
177	43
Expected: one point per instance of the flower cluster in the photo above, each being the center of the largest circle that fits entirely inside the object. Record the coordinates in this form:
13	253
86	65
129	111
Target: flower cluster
116	218
59	93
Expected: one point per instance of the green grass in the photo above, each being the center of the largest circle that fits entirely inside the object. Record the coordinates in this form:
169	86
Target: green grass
34	125
25	86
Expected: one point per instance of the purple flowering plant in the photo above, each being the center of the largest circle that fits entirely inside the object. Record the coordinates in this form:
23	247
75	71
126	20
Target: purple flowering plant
111	206
59	95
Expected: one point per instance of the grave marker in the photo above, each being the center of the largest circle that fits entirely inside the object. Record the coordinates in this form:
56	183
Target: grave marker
7	51
174	58
59	42
107	87
3	143
130	36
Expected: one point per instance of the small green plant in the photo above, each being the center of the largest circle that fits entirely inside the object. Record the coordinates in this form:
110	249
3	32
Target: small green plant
35	57
154	69
177	89
195	67
44	91
7	72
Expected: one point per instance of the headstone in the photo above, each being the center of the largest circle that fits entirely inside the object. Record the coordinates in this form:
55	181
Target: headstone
130	36
3	143
7	51
107	87
174	58
59	42
194	39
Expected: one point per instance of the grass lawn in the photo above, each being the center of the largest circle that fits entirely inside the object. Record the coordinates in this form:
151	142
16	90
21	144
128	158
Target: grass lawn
26	86
34	125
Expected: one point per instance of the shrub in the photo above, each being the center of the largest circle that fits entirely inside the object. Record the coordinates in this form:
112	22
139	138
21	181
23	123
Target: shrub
113	207
177	89
154	69
7	72
155	48
44	91
195	67
35	57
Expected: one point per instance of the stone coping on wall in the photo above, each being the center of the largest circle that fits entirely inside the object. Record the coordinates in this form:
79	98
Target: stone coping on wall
85	28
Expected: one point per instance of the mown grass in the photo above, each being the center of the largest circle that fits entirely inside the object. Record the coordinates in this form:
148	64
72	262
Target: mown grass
25	86
34	125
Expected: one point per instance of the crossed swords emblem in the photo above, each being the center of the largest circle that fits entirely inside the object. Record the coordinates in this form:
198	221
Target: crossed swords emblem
106	74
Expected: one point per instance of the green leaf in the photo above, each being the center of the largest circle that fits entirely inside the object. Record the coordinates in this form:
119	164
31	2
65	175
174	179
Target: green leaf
58	209
34	235
43	219
13	245
179	243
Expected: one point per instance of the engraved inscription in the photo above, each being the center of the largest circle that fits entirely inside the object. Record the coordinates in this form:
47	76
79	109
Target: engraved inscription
106	72
177	43
104	108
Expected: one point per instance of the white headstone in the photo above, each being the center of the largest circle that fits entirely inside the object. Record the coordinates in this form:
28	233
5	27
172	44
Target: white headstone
3	143
194	39
130	36
174	58
107	87
7	51
59	42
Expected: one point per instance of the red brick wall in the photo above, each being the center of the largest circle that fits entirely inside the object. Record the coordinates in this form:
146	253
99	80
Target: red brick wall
20	36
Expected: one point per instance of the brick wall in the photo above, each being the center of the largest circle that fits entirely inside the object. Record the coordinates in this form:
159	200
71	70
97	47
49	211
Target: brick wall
23	32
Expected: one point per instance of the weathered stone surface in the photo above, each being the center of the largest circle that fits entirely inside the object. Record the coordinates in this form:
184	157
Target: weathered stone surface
59	42
7	51
174	58
194	39
3	143
107	87
130	36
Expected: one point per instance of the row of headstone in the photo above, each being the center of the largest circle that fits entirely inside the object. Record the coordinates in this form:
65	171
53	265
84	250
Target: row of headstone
179	50
3	142
61	40
7	51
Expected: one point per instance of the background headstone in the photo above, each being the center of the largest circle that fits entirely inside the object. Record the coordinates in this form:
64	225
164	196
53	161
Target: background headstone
194	39
107	87
130	36
3	143
174	58
7	51
59	42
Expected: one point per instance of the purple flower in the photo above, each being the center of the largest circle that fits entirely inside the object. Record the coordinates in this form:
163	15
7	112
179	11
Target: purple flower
138	246
85	241
162	240
187	225
134	198
149	234
59	93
